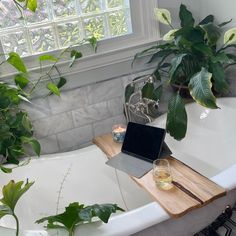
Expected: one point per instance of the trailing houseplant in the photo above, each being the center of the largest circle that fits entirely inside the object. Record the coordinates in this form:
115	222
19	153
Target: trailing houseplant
191	57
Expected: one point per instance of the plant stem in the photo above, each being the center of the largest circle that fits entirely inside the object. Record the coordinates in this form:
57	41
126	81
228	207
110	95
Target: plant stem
17	224
71	232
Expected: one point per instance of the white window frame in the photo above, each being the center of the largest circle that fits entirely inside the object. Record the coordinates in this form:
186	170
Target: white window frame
113	57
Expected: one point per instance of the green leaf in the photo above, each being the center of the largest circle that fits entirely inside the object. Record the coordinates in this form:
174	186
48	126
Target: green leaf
157	93
94	43
62	81
13	191
161	54
74	56
176	124
218	73
157	75
129	90
26	123
147	90
102	211
47	57
5	210
186	17
33	142
225	23
163	15
200	89
68	219
204	49
21	80
175	63
190	35
213	33
15	60
32	5
208	19
220	57
5	170
76	213
53	88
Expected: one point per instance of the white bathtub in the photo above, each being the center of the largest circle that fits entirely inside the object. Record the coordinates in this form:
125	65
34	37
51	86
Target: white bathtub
82	176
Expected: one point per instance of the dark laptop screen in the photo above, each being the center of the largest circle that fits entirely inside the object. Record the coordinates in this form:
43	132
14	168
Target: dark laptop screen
143	141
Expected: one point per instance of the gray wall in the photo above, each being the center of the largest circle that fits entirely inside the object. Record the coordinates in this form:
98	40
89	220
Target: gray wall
71	121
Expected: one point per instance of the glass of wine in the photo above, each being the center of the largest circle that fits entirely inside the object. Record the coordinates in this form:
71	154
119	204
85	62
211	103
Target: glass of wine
162	174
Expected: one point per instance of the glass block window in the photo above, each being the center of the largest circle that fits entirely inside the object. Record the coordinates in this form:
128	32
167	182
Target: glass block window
61	23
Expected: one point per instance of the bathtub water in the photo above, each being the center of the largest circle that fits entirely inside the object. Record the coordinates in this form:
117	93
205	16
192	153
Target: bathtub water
82	176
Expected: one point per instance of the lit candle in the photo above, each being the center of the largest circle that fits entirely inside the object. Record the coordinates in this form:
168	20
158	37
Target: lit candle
118	133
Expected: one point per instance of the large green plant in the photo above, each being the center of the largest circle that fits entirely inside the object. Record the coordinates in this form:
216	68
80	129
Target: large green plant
191	57
16	131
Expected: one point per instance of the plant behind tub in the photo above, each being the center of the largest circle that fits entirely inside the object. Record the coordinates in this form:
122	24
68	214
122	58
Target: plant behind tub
198	64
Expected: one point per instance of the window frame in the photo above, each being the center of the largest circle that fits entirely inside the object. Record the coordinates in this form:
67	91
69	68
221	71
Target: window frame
114	54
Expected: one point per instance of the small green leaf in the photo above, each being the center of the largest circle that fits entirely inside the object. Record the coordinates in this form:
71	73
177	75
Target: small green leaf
26	123
147	90
5	170
163	15
129	90
200	89
161	54
204	49
220	83
53	88
47	57
33	142
32	5
157	75
94	43
5	210
15	60
21	80
208	19
74	56
102	211
175	63
62	81
213	33
186	17
157	93
225	23
176	124
13	191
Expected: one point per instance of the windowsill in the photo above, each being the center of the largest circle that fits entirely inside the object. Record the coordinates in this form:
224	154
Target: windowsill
97	67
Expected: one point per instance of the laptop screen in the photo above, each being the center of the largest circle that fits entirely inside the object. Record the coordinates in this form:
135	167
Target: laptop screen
143	141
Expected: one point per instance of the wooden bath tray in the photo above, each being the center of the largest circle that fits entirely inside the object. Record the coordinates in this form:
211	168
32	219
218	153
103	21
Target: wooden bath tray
191	189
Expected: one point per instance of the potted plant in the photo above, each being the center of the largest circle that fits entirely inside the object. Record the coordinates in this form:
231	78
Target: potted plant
193	58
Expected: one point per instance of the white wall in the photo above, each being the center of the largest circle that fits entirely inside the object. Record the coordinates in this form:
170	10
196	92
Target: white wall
223	10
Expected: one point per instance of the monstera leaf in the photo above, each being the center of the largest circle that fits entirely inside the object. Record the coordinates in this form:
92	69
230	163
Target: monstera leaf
77	213
200	89
176	124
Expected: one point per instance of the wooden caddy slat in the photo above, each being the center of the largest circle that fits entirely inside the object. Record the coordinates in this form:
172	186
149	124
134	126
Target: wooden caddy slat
175	201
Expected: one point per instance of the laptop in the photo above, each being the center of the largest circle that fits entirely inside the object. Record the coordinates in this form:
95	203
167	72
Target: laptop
142	145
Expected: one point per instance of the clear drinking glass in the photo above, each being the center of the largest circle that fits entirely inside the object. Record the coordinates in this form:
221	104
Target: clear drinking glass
162	174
